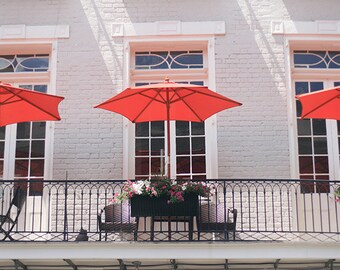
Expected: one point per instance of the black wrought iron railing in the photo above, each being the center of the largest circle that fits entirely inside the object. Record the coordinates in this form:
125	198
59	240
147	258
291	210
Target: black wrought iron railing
239	210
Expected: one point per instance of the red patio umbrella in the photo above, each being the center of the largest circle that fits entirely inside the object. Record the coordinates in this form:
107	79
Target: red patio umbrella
324	104
168	101
21	105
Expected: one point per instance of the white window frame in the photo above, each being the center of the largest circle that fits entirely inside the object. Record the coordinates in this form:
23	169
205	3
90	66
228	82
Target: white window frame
207	74
302	37
18	78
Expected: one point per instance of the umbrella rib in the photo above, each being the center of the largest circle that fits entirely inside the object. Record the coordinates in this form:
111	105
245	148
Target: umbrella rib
319	106
186	104
147	105
29	102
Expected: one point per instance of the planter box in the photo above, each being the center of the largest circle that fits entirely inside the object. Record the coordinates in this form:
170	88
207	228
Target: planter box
146	206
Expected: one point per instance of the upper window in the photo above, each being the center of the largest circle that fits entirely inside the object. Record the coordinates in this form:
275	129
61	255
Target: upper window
169	60
24	63
317	59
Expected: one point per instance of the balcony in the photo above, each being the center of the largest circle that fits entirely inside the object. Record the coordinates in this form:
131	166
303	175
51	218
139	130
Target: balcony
267	210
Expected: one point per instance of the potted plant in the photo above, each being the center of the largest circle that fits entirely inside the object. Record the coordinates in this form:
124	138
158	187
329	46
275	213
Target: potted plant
163	197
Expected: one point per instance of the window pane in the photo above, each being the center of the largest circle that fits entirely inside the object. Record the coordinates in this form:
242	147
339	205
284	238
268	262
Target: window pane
306	165
183	164
320	146
38	149
182	146
322	186
22	149
198	145
157	147
304	127
142	147
182	128
307	187
319	127
142	166
156	166
2	133
36	188
142	129
21	168
2	149
305	146
157	129
197	128
198	164
298	108
38	130
301	88
321	165
316	86
23	130
1	168
37	167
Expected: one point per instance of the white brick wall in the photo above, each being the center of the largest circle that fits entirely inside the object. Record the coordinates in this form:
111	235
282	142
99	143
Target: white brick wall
252	139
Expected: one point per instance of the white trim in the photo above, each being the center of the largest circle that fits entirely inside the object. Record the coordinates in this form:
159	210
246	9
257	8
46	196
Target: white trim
143	251
168	28
305	27
21	31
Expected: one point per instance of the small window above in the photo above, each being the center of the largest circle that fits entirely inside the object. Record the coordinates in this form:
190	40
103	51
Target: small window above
24	63
169	60
317	59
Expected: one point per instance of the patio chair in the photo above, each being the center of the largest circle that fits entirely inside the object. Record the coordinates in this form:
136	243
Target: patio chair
117	219
7	222
216	218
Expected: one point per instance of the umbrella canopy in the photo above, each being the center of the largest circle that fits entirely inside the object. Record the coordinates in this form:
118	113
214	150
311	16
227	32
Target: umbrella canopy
168	101
21	105
324	104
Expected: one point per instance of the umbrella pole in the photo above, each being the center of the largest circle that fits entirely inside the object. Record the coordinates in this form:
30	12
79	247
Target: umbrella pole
168	141
168	128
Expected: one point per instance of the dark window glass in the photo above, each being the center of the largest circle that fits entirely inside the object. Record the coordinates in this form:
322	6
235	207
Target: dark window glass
37	167
36	187
301	88
183	164
319	127
304	127
305	146
320	145
197	128
316	86
41	88
142	147
306	186
2	149
38	149
157	129
198	164
156	168
198	145
21	168
142	129
142	166
322	186
306	165
2	133
182	146
156	146
22	149
38	130
1	168
182	128
321	164
23	130
298	108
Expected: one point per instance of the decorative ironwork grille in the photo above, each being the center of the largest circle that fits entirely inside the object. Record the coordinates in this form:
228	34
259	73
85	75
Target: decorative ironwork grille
317	59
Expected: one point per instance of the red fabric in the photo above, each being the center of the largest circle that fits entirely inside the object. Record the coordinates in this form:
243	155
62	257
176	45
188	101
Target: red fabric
20	105
324	104
186	102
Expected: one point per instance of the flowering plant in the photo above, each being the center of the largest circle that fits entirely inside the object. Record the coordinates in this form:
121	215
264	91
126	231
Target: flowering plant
162	187
337	194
